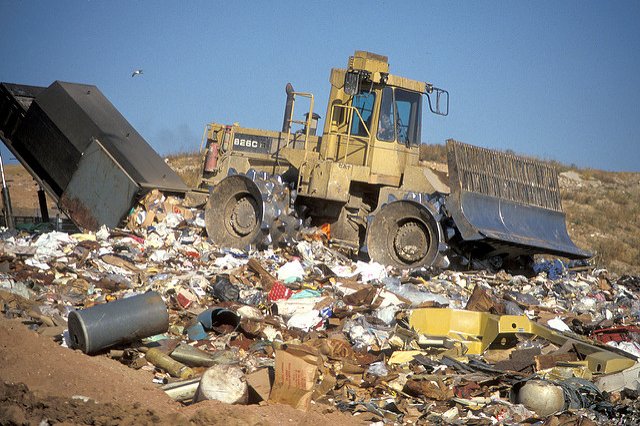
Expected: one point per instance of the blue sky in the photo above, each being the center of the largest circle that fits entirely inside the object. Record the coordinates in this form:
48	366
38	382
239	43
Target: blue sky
555	79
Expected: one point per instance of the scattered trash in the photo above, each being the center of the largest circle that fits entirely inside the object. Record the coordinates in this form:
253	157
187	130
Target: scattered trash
303	324
182	391
616	382
194	357
260	382
291	272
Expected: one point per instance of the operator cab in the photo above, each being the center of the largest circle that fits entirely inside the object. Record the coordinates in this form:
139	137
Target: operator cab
399	116
374	118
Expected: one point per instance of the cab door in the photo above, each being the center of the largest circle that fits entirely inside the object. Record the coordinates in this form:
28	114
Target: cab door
354	145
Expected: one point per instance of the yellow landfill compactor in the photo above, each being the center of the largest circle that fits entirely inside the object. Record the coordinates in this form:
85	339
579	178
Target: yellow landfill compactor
363	182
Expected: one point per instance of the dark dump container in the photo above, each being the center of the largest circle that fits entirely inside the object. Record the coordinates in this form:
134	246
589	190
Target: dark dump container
82	151
123	321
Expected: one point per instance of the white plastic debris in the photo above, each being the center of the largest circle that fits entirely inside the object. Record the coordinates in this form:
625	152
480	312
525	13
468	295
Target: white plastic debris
160	256
173	220
370	271
271	333
199	220
37	264
378	369
305	321
224	383
629	347
229	262
557	324
412	293
103	233
387	314
451	415
153	241
289	307
291	271
49	244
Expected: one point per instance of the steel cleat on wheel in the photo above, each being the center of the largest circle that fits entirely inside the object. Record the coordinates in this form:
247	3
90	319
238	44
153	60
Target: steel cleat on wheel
251	209
406	234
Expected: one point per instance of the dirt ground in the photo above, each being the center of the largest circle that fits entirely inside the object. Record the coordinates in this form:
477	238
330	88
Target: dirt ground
24	192
40	380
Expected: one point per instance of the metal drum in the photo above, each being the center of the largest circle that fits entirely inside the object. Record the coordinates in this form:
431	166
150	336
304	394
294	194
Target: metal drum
123	321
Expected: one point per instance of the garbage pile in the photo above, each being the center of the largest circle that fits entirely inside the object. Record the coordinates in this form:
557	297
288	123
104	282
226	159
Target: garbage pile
306	324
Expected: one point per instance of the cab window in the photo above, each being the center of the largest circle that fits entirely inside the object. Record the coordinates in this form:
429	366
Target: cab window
386	128
363	102
400	112
408	107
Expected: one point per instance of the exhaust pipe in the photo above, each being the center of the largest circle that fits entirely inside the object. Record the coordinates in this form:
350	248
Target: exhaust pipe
286	124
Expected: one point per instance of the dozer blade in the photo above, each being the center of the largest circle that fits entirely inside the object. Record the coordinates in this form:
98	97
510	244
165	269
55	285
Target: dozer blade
513	202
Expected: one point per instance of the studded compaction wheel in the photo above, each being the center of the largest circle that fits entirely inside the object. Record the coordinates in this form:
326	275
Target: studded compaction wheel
250	210
234	212
404	234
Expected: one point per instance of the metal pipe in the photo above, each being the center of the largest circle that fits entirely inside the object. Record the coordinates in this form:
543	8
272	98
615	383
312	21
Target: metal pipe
193	357
171	366
183	390
119	322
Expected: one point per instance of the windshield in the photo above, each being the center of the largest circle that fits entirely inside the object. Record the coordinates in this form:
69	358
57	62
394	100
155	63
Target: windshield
400	113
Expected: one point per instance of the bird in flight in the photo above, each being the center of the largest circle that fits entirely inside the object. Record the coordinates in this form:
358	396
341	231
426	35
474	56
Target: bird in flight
136	72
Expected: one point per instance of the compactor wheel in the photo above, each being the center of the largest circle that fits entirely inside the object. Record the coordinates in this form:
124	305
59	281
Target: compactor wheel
234	212
404	234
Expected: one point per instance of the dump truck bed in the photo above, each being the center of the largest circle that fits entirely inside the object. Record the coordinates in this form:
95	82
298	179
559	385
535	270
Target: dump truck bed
80	148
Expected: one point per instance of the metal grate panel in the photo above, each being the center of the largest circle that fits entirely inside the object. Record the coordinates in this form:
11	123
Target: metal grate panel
502	175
